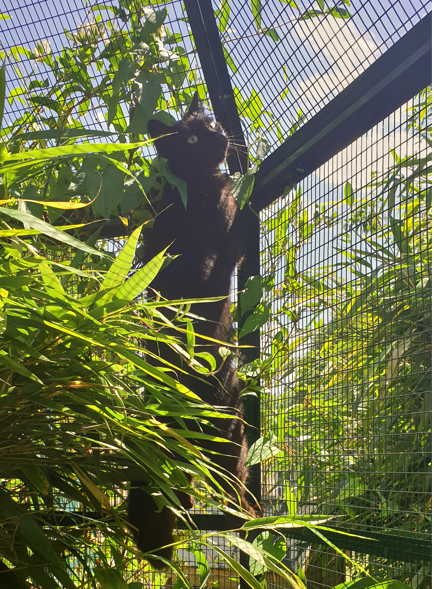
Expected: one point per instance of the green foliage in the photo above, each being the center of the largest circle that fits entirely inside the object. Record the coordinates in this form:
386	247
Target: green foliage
349	373
83	408
136	57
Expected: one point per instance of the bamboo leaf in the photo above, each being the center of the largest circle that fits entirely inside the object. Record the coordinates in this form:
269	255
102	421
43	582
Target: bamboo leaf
2	90
141	279
32	535
102	498
61	133
50	231
36	477
256	6
64	205
73	150
15	366
110	579
118	271
236	566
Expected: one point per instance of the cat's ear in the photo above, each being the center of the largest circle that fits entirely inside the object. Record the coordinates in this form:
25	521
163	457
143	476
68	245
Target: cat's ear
194	106
157	128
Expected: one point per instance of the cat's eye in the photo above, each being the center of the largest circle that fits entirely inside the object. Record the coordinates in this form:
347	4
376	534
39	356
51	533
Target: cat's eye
192	139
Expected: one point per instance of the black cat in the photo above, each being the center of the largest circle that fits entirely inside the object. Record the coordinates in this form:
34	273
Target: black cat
206	238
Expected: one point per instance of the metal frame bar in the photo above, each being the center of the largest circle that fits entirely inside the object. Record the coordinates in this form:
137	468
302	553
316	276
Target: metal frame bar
208	43
395	77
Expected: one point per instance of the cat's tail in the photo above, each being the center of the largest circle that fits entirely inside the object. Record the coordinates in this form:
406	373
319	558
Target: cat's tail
152	529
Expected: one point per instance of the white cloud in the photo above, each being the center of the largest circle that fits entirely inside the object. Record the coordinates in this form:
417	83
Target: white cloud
370	153
341	54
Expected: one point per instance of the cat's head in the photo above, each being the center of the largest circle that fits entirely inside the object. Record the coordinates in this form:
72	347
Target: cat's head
194	145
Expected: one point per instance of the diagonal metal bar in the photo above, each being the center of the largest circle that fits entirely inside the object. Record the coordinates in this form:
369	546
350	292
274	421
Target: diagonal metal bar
395	77
208	43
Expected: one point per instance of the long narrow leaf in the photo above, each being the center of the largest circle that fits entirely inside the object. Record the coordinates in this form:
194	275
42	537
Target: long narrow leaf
2	90
119	270
73	150
141	279
50	231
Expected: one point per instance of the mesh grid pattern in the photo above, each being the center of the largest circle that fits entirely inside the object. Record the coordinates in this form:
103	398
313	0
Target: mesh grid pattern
349	252
350	401
283	84
46	29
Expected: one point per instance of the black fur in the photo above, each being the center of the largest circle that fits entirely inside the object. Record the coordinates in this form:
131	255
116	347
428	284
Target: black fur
207	239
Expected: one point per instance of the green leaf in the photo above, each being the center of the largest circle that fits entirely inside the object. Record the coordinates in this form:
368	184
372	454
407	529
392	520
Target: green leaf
262	148
399	237
121	76
265	543
2	90
173	180
120	268
50	279
311	14
242	186
141	279
4	16
110	579
349	194
190	337
338	12
32	535
255	105
291	499
262	450
265	559
179	69
256	320
229	60
72	150
285	521
208	358
19	49
149	93
61	133
290	2
257	12
111	190
225	15
270	32
236	566
251	295
202	567
36	477
50	231
366	582
3	322
17	367
257	563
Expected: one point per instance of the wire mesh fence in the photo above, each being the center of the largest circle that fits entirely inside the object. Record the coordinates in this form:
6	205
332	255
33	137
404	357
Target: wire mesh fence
347	260
345	255
286	65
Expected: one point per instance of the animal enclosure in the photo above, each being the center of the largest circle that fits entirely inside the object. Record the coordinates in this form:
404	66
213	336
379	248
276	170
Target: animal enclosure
328	107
